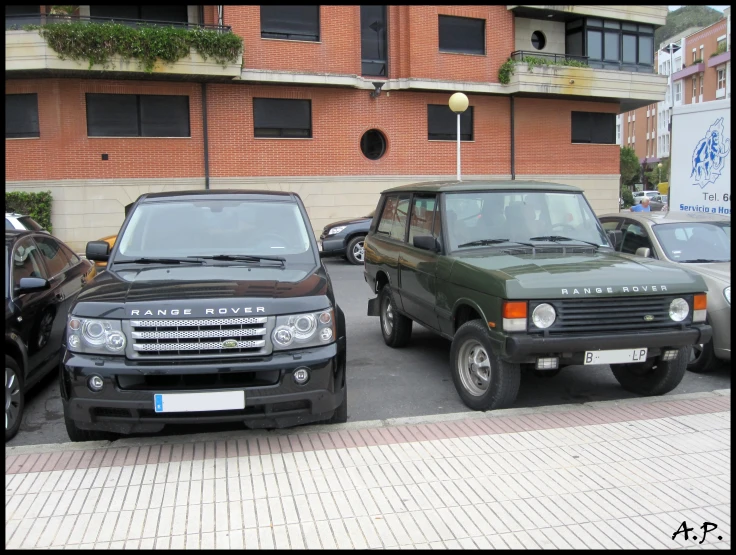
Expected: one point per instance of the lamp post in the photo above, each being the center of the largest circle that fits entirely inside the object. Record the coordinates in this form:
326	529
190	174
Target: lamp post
659	174
458	104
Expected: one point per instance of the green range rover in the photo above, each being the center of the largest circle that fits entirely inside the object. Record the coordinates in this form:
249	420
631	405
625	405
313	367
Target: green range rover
522	275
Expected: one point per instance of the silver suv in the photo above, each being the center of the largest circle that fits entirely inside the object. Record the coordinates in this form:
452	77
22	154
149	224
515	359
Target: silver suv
18	221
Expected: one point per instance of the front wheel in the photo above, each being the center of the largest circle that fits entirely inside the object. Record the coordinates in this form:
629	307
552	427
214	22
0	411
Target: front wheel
652	377
355	252
14	398
482	379
395	327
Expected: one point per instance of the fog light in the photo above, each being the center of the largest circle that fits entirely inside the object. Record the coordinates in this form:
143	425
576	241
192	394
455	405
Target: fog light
669	354
547	363
325	334
301	376
73	341
95	383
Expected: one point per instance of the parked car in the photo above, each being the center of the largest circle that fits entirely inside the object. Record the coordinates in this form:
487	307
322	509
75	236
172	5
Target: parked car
42	278
522	273
215	307
19	221
346	238
699	242
638	195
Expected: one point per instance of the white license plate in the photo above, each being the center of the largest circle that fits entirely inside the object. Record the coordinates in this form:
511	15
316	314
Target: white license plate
199	402
616	356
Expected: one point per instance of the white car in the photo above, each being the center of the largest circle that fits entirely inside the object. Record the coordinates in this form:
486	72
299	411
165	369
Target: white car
638	195
19	221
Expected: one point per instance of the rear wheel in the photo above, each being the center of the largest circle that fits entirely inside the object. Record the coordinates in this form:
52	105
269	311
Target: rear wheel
652	377
395	327
78	434
482	379
355	252
14	398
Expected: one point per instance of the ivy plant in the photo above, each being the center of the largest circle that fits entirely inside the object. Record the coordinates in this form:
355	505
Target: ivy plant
35	205
507	68
99	42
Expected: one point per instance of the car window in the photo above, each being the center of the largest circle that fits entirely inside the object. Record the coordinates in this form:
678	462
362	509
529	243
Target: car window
609	225
8	224
54	256
29	223
422	217
26	261
388	215
398	230
635	237
73	258
686	241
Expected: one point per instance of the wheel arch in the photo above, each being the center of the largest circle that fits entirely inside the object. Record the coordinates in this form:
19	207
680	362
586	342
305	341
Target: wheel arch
464	311
15	348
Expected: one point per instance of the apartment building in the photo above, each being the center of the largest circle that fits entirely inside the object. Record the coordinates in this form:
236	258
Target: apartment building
334	102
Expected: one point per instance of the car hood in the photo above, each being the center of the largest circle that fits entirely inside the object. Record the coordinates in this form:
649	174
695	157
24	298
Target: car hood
205	291
553	275
349	222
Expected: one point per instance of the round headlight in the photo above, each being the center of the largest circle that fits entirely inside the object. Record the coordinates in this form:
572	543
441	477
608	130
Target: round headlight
304	326
325	334
543	316
727	294
282	336
93	332
115	341
679	309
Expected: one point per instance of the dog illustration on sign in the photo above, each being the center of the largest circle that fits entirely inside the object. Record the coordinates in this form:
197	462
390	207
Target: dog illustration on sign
710	154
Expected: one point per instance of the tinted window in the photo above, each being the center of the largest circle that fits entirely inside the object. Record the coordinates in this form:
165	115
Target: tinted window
29	223
73	258
26	261
398	231
686	241
462	34
133	115
442	123
593	127
54	256
280	117
595	48
388	215
8	224
610	225
176	13
290	22
422	217
373	40
629	54
21	116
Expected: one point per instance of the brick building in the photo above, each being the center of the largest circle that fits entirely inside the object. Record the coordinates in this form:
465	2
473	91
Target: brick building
334	102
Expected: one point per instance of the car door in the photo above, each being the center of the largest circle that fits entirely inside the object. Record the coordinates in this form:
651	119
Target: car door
389	239
31	309
418	267
65	284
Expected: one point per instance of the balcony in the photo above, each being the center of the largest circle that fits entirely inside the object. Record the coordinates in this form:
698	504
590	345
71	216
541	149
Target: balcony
719	59
688	71
568	76
653	15
27	54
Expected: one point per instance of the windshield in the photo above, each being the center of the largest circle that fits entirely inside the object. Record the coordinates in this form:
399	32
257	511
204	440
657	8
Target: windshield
205	227
519	217
687	241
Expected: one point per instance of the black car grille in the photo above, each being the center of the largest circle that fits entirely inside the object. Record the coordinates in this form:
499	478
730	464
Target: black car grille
616	314
200	337
220	380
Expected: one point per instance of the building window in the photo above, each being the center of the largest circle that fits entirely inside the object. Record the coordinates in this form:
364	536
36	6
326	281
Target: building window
373	40
442	123
702	81
373	144
462	34
173	13
695	86
290	22
611	44
137	115
280	117
694	55
539	41
701	53
721	84
593	127
21	116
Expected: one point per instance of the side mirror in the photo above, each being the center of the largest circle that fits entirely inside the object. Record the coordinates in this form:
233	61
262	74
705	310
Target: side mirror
98	250
615	236
427	243
644	251
32	285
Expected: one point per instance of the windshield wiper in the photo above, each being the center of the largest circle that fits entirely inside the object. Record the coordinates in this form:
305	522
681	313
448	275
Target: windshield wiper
244	257
481	242
187	260
558	238
701	260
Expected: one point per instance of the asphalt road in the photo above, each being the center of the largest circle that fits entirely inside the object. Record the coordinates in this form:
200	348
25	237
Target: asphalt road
384	382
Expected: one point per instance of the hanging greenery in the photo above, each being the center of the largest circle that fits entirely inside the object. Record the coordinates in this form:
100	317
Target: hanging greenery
507	68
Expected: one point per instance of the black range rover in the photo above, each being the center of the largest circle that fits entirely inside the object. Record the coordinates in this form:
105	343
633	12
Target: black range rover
215	307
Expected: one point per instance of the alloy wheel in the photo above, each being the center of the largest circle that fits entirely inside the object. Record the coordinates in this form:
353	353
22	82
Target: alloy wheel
388	317
12	398
359	251
474	368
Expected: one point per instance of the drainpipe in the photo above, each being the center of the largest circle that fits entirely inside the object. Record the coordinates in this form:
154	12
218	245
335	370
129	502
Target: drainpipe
206	139
513	149
220	15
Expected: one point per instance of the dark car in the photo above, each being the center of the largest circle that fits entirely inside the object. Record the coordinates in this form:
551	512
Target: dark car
346	238
214	307
42	277
522	275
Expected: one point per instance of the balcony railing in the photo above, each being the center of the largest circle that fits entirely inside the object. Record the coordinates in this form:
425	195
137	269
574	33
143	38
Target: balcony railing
562	59
16	22
557	59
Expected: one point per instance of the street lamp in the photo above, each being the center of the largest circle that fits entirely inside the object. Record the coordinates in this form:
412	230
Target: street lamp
659	173
458	104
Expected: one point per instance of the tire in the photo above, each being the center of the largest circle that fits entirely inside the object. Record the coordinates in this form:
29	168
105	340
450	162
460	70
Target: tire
78	434
503	378
395	327
355	252
14	397
702	359
652	377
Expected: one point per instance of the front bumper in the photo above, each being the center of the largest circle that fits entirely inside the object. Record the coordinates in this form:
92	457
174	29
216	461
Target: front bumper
332	245
525	348
121	409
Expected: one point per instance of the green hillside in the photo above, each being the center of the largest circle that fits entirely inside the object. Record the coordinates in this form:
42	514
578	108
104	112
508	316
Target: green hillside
687	16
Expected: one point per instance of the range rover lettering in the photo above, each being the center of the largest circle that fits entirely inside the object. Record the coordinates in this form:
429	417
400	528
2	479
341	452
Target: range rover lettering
215	307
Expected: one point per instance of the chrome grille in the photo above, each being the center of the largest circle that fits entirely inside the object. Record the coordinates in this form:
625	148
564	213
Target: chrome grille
199	337
614	314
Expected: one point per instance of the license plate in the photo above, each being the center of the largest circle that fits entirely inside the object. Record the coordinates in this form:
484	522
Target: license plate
199	402
616	356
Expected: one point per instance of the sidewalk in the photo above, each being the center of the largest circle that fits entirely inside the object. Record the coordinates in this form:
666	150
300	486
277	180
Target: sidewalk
622	474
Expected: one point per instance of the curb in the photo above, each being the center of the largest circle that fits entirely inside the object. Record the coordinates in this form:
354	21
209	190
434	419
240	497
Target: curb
363	424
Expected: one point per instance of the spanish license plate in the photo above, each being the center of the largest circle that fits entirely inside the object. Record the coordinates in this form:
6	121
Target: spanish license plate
199	402
617	356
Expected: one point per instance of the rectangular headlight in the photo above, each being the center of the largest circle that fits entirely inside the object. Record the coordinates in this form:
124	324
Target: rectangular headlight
95	336
310	329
